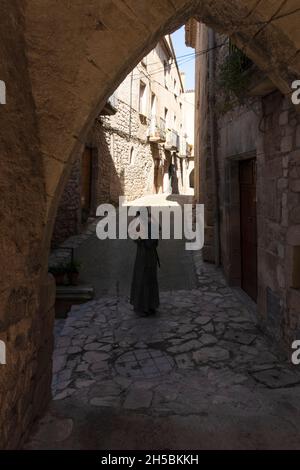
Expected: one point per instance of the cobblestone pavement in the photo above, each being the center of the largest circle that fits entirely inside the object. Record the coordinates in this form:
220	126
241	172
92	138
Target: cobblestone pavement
199	374
107	264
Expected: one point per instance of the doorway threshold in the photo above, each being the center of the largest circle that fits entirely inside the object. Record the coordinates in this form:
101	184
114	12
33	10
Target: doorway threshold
247	301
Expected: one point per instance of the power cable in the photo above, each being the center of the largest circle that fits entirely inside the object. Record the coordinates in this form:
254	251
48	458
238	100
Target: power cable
196	54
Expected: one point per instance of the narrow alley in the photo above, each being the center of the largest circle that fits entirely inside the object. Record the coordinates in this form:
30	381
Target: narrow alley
171	339
199	374
108	264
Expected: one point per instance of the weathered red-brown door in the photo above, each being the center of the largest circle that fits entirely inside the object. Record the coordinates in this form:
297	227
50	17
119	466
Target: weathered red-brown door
156	176
248	227
86	183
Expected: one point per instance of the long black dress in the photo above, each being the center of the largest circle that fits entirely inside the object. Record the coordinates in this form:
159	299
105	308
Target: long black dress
144	288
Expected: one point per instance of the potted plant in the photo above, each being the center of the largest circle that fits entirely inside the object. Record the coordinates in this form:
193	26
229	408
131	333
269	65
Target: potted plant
58	271
73	272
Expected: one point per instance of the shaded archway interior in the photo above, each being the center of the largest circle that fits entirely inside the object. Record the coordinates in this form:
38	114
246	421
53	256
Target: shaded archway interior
71	59
90	75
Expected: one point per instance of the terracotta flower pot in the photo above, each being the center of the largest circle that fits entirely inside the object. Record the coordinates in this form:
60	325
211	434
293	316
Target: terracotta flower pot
73	278
59	278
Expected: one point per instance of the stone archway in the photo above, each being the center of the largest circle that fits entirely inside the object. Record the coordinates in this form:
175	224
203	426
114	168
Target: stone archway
65	64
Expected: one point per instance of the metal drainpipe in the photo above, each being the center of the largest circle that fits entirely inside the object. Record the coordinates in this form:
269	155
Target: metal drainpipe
213	141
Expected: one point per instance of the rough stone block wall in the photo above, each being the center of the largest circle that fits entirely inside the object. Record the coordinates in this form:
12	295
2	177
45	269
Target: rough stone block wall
126	167
67	222
123	165
279	182
38	126
126	157
205	190
23	227
270	134
267	128
25	381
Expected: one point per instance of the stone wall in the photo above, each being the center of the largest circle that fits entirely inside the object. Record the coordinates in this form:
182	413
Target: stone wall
68	217
124	163
279	229
268	128
26	313
126	158
58	78
25	380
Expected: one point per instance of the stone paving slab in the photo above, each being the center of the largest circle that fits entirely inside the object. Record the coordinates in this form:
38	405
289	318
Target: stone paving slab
197	358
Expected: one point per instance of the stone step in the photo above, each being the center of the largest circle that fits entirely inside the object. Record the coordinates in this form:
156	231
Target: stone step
76	293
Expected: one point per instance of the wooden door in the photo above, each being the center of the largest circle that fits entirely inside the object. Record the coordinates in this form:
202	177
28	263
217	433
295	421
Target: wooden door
156	176
248	227
86	183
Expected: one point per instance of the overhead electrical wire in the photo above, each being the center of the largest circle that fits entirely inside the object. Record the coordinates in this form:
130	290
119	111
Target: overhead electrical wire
183	56
178	63
181	59
145	73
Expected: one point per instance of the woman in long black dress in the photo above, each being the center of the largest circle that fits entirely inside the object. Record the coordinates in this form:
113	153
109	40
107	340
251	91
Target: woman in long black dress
144	288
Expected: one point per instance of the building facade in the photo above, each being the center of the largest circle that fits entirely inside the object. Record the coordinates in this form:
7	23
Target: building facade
247	149
189	120
140	144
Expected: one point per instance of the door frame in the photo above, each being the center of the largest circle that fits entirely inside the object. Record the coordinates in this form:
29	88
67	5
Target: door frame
233	263
249	282
94	176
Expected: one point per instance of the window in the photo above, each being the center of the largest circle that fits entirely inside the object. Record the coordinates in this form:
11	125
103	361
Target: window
166	116
175	120
143	99
153	104
175	90
131	155
166	72
144	61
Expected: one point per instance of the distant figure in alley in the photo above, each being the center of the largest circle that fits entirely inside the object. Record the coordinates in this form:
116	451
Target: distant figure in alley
144	294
